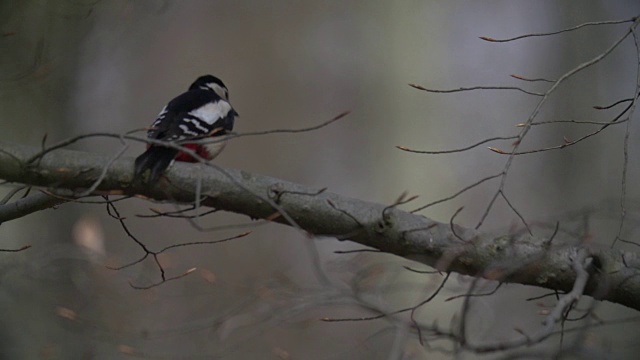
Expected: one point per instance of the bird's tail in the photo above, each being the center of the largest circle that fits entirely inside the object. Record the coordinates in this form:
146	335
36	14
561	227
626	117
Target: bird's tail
157	159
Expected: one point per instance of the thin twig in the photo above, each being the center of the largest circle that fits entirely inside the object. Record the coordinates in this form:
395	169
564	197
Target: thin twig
519	77
538	108
477	183
594	23
516	212
625	149
404	148
462	89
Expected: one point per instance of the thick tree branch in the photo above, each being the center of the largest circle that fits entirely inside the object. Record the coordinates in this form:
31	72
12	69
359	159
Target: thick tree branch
28	205
523	259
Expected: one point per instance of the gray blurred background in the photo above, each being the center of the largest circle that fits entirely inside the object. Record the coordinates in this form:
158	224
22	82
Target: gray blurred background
75	67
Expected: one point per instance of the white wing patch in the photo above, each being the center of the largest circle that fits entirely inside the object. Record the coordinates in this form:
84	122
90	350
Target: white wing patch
163	112
212	112
160	117
196	123
185	130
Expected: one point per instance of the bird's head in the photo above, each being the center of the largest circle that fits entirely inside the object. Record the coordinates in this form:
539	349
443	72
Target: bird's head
212	83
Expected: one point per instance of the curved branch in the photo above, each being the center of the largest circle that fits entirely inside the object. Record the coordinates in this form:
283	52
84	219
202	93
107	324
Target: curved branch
523	259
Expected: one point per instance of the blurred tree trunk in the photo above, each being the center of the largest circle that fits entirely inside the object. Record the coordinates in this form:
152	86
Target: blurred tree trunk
40	45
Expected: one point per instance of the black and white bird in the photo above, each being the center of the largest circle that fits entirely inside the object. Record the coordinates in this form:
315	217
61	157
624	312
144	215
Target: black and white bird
203	111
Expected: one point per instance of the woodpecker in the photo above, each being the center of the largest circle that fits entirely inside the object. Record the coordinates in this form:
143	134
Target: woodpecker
203	111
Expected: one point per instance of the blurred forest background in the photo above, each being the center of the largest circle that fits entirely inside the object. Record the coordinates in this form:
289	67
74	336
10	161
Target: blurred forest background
75	67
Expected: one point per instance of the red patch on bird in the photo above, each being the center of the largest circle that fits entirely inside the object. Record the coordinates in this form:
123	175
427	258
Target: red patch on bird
200	150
